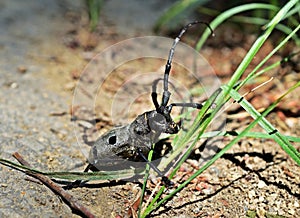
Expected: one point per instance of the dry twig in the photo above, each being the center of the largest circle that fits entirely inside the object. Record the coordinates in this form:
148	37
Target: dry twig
72	202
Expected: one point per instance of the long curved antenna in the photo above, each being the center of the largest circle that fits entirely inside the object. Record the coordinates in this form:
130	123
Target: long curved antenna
154	93
166	93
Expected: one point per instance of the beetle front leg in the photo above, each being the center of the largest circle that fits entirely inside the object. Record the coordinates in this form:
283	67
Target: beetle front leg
164	179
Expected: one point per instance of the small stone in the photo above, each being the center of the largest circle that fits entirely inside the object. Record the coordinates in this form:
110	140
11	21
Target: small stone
280	212
41	139
296	204
251	194
261	184
207	191
86	124
215	170
196	210
22	69
291	211
14	85
69	86
261	199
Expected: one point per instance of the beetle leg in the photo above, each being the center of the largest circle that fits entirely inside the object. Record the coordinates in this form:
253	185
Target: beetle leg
164	179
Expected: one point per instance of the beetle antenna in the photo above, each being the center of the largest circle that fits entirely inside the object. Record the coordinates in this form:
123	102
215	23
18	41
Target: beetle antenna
166	93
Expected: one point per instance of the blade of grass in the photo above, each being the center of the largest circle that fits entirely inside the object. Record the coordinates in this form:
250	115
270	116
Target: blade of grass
229	13
94	7
248	134
179	143
265	124
254	49
99	175
294	155
256	46
262	21
176	9
254	20
146	176
240	70
182	141
283	42
259	42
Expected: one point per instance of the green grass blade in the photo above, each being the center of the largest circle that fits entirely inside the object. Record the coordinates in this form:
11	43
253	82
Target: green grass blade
177	8
259	42
94	7
294	154
281	44
146	176
199	125
99	175
266	125
248	134
229	13
238	73
261	21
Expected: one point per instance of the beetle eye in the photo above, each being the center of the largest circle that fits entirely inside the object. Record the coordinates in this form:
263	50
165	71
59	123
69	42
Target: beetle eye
112	140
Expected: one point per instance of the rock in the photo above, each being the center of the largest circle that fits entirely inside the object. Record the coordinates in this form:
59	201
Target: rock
261	184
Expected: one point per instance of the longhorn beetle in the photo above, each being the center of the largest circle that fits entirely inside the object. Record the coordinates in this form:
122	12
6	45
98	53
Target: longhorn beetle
135	140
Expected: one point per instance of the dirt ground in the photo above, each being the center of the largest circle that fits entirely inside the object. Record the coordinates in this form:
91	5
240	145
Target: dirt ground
45	48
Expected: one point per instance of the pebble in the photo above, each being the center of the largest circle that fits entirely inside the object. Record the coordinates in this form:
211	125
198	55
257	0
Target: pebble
14	85
22	69
214	170
69	86
207	191
41	139
261	199
85	124
280	212
278	203
251	194
261	184
291	211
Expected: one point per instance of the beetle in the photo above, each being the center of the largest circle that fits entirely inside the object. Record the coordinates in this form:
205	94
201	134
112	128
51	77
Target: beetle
132	143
